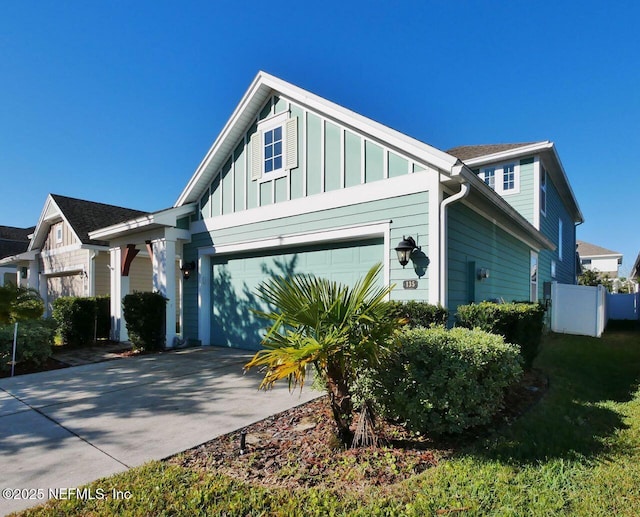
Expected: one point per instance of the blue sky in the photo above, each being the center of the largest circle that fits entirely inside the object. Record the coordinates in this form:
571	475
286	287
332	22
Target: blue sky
119	101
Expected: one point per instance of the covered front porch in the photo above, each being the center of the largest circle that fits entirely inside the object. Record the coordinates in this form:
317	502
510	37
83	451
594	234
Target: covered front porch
159	237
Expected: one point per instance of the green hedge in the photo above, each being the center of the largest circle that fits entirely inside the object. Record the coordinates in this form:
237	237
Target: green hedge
35	339
441	381
82	320
144	314
518	323
419	314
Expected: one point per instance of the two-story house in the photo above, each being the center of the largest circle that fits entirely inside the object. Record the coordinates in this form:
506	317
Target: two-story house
295	183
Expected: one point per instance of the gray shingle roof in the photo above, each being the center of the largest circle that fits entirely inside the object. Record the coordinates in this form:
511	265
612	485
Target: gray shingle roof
14	240
468	152
586	249
86	216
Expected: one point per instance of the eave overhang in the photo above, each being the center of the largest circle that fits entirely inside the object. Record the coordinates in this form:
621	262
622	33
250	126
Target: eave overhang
262	87
163	219
553	165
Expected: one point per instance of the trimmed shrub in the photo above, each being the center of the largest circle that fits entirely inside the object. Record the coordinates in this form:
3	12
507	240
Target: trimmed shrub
35	339
144	314
76	318
442	381
419	314
518	323
103	315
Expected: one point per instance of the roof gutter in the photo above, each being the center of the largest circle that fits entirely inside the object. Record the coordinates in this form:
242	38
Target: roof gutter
465	188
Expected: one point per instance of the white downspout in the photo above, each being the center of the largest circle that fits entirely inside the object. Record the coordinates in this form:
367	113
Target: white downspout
443	276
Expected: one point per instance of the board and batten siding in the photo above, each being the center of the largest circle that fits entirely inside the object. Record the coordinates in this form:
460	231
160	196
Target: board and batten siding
408	215
330	157
474	243
51	241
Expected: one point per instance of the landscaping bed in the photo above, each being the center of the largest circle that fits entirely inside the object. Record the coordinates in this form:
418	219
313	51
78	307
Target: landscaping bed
298	448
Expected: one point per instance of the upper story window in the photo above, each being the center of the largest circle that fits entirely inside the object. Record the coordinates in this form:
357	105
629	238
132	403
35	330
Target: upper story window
509	177
59	233
543	190
489	177
504	179
274	147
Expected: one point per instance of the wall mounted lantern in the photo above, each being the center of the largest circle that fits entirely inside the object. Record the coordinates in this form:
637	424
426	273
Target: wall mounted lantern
404	249
187	268
483	273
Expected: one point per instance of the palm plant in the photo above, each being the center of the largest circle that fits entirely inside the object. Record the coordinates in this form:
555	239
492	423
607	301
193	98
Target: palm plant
331	327
19	303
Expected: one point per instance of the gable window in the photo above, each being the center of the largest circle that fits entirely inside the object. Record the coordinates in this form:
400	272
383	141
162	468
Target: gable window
59	233
543	190
273	149
504	179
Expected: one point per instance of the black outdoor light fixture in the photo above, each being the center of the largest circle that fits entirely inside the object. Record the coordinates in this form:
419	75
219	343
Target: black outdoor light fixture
186	269
404	249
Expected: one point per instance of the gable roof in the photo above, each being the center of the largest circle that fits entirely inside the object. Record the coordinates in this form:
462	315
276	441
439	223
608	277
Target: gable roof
467	152
474	156
81	216
14	240
263	86
586	249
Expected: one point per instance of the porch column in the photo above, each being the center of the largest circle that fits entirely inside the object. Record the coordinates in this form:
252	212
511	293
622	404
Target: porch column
164	281
33	275
204	300
119	289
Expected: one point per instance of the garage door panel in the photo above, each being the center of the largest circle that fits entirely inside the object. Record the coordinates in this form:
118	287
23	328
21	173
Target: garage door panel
235	280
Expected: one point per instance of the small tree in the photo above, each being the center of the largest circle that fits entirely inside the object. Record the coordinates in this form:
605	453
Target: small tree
332	327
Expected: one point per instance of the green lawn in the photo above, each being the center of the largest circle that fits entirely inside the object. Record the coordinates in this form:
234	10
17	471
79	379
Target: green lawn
577	452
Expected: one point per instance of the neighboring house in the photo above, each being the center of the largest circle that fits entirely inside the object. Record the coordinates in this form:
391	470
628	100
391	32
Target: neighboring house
12	241
634	276
601	260
62	260
297	184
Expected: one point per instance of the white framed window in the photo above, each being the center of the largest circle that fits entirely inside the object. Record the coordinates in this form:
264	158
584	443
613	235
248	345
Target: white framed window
553	269
560	236
274	147
509	177
533	293
59	233
543	190
489	176
504	179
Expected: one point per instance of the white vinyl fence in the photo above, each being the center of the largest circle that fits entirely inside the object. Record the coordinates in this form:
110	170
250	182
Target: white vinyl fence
578	309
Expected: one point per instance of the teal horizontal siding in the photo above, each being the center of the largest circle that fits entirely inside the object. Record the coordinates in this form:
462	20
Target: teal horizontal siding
472	239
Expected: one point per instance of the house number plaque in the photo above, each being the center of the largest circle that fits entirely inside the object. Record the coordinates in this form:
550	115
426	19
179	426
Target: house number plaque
410	284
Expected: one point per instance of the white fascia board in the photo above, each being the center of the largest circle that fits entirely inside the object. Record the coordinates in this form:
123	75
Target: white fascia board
20	257
509	154
383	189
266	83
165	218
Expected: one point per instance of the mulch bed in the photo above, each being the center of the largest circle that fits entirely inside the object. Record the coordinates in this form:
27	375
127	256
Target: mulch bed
27	367
298	448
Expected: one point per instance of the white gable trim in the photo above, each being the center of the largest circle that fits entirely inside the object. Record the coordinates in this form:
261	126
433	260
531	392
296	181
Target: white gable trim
265	85
51	213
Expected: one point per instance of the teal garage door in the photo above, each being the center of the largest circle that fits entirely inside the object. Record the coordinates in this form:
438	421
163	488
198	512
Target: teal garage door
236	277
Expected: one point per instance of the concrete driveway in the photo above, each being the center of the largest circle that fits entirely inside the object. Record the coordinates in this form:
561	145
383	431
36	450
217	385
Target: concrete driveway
65	428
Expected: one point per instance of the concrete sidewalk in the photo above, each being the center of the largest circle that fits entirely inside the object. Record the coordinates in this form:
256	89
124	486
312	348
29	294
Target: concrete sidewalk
64	428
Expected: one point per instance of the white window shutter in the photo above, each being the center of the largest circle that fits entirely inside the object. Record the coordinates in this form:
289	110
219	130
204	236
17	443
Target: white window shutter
256	156
292	142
